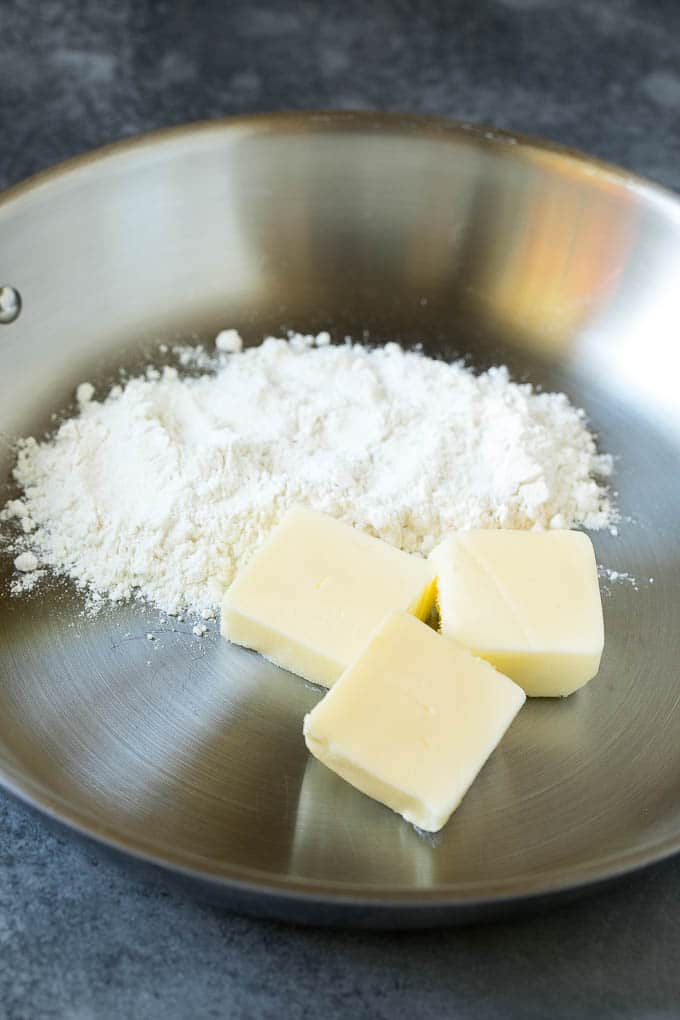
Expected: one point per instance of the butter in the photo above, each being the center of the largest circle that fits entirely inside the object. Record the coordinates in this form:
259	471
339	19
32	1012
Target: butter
412	720
313	593
527	601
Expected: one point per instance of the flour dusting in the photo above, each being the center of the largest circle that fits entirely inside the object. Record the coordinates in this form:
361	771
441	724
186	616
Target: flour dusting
164	488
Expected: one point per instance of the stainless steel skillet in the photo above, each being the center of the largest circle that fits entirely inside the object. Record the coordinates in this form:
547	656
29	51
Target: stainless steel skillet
476	243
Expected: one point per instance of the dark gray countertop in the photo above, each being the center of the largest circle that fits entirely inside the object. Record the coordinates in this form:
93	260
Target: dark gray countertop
79	936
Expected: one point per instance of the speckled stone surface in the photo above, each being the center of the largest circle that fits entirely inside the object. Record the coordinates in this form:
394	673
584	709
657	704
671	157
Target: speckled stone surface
601	75
81	938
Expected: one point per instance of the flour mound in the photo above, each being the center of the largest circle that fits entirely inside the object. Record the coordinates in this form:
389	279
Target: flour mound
164	489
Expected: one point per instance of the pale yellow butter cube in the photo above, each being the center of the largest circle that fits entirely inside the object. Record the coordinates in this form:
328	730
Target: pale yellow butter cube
527	601
413	720
311	596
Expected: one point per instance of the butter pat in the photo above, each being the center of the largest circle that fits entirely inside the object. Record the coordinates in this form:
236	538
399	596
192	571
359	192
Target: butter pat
527	601
311	596
413	720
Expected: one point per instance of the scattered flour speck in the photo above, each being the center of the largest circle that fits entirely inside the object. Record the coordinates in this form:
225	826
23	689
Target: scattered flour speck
618	577
26	562
85	393
229	341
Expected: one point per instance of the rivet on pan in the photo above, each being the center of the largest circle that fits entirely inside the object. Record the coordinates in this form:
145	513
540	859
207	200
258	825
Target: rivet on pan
10	304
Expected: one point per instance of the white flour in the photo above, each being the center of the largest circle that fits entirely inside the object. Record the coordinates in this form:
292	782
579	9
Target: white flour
164	489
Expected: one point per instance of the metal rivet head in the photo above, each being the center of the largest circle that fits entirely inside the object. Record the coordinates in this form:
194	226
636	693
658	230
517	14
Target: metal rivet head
10	304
